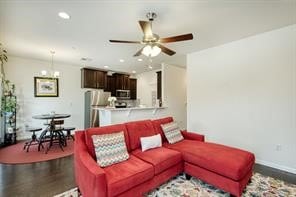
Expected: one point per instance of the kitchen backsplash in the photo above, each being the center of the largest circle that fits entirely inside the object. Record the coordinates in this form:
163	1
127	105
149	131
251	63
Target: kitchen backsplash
130	103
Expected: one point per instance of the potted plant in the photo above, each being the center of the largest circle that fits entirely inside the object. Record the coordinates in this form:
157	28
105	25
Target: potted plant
9	105
112	100
8	88
3	59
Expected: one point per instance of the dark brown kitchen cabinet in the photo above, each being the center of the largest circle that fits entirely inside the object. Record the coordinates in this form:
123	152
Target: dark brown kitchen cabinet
110	85
133	88
88	78
91	78
159	85
122	81
101	79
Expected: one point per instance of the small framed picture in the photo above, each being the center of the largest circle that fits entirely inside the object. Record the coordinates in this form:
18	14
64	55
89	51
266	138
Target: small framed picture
46	87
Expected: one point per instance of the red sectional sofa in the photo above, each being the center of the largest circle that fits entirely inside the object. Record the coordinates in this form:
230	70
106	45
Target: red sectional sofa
224	167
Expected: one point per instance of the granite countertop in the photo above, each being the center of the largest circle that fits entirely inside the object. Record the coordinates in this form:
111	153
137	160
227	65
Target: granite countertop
127	108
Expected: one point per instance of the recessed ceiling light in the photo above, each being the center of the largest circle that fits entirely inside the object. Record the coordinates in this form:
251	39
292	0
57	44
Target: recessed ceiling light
64	15
86	59
140	59
150	67
134	71
121	60
106	66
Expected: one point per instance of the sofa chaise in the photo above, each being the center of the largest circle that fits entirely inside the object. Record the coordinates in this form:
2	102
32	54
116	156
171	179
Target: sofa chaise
225	167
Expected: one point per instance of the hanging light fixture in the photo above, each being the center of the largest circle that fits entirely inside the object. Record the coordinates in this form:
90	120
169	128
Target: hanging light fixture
151	50
150	63
53	73
43	73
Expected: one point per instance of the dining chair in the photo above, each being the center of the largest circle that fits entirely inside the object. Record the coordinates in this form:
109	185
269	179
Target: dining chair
68	133
57	135
34	140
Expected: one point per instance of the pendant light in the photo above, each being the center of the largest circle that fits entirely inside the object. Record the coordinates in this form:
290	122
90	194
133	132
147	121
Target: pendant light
53	73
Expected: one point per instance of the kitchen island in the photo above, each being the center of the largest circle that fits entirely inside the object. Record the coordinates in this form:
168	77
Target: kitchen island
109	116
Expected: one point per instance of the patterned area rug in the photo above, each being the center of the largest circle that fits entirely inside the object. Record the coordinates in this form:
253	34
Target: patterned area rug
178	186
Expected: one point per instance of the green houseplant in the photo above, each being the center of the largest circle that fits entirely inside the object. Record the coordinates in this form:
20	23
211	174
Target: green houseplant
8	105
3	59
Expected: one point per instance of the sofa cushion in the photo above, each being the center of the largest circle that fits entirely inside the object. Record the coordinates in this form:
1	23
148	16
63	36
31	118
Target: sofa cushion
157	126
226	161
139	129
103	130
110	148
172	132
161	158
127	174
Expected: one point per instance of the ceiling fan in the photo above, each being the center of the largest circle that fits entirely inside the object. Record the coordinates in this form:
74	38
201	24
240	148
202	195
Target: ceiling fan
153	43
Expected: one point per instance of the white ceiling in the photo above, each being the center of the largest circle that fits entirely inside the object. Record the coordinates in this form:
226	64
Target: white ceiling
33	28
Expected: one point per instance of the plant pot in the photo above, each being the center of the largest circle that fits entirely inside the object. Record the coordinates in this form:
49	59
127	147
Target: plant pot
8	114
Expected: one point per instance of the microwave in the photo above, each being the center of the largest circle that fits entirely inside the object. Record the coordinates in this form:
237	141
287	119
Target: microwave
123	94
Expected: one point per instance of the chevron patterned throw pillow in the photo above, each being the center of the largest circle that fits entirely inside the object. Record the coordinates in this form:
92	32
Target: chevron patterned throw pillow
172	132
110	148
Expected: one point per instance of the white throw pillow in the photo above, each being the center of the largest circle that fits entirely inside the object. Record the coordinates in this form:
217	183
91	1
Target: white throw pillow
150	142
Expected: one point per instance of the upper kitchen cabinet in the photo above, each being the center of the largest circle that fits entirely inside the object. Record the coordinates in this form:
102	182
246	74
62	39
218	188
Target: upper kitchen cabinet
122	81
91	78
133	88
159	85
110	85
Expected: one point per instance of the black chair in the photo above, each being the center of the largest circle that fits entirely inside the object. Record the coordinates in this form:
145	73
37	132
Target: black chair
68	135
34	140
57	135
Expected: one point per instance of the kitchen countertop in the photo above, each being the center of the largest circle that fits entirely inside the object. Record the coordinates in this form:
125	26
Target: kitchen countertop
127	108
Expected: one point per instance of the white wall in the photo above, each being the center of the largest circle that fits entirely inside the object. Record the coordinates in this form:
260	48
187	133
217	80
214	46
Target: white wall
243	94
146	83
174	92
71	97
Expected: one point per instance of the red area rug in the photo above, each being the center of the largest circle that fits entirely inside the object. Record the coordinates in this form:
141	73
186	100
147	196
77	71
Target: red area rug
14	154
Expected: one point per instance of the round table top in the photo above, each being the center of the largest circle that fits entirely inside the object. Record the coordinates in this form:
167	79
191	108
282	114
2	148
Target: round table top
51	116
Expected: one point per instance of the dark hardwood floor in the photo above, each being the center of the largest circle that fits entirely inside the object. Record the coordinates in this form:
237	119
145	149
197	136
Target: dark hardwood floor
56	176
37	179
275	173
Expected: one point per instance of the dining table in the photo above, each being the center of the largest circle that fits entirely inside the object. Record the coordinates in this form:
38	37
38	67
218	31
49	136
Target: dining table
47	135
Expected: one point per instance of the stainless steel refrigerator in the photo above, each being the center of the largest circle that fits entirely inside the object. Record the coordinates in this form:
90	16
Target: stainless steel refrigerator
94	99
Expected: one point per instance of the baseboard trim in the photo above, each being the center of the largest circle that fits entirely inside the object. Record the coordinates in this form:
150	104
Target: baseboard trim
277	166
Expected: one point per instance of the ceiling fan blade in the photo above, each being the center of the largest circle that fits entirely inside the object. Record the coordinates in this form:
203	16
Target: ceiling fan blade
166	50
176	38
124	41
146	28
139	52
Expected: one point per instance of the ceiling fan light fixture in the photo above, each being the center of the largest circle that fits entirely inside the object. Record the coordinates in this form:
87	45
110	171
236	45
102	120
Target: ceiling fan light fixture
151	51
153	43
146	50
155	51
64	15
